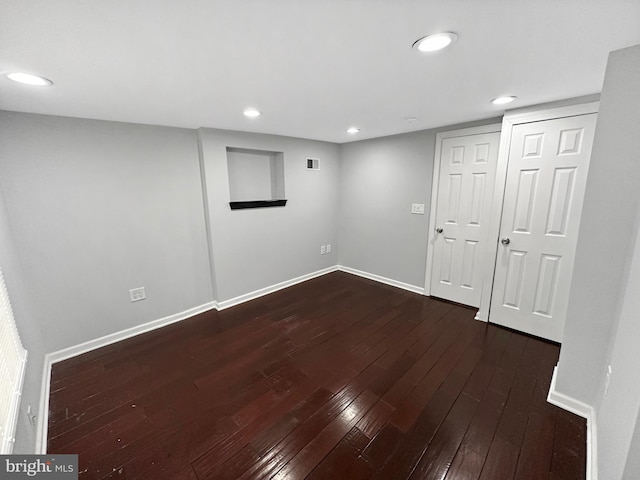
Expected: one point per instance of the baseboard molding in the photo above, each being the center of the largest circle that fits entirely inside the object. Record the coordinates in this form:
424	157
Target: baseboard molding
85	347
378	278
583	410
479	318
42	428
273	288
565	401
592	447
66	353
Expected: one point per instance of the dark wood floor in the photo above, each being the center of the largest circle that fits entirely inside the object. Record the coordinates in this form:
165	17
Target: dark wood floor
338	377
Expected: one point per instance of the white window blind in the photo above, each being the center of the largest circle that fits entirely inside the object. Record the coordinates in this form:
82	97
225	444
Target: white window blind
12	362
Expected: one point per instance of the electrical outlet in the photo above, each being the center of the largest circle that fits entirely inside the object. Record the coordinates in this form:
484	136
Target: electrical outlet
137	294
417	208
31	417
323	249
329	248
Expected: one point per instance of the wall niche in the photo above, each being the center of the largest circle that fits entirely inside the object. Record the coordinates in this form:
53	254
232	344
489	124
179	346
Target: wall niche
256	178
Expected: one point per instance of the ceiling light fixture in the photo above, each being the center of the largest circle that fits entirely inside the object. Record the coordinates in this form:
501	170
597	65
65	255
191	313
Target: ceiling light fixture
252	113
353	130
503	100
437	41
29	79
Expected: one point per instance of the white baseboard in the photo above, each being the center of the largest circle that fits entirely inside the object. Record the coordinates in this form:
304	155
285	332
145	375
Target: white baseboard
385	280
42	428
66	353
585	411
592	447
85	347
273	288
479	318
565	401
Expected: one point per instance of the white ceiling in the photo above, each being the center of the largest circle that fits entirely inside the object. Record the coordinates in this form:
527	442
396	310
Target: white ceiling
314	67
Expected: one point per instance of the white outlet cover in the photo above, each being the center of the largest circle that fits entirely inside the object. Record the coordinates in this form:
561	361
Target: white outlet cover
329	248
417	208
137	294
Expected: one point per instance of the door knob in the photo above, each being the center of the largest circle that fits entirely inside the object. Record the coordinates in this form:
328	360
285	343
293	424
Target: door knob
505	241
439	230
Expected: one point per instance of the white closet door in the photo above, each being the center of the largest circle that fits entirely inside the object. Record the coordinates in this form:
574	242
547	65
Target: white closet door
546	178
465	185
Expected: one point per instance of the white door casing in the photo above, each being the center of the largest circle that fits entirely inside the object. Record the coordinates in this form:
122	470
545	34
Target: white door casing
464	174
547	166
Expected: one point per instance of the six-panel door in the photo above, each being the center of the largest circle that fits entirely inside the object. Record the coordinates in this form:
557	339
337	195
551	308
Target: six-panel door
467	176
546	178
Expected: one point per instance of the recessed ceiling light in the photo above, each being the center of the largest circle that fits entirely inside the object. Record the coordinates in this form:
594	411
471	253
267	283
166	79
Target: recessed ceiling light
503	100
435	42
29	79
252	113
353	130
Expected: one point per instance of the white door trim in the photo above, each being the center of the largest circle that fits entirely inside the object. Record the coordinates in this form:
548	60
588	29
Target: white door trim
508	122
463	132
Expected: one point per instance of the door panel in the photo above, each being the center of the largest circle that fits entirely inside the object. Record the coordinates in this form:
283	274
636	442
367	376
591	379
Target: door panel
467	174
546	177
515	275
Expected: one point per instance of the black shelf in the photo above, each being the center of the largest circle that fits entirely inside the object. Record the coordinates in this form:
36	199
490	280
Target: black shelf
257	204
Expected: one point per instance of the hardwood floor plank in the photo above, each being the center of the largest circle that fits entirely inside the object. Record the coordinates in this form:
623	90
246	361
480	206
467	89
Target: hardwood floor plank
414	443
465	464
281	453
501	461
336	377
484	423
536	452
375	455
372	421
235	465
411	407
568	459
438	457
341	457
209	455
317	449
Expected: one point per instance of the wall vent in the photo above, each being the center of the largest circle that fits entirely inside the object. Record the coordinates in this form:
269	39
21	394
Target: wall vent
313	164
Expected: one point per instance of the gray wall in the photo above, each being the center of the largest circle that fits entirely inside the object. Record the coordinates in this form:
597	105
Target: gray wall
27	321
617	411
380	179
257	248
99	208
632	468
94	209
602	326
